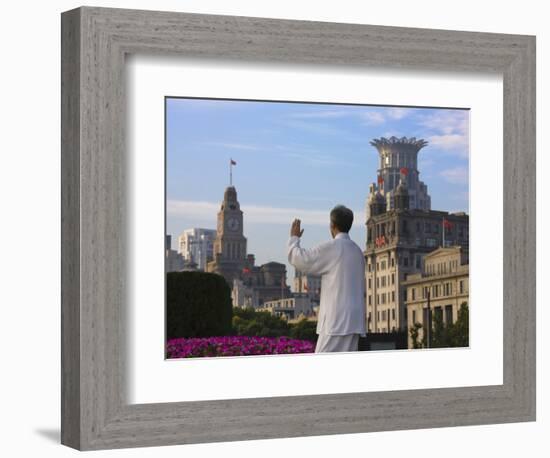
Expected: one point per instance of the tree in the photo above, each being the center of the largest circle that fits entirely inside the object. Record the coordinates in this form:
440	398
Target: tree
249	322
414	333
444	335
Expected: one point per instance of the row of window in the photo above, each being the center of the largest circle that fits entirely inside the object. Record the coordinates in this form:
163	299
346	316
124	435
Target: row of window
437	312
384	280
383	298
429	228
383	315
442	267
439	290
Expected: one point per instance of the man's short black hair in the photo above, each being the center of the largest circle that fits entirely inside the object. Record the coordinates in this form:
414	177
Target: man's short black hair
342	218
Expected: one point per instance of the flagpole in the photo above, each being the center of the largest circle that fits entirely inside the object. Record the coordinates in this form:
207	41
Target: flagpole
443	232
230	172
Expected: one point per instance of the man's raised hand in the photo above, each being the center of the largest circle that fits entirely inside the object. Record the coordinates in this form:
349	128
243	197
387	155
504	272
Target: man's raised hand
295	229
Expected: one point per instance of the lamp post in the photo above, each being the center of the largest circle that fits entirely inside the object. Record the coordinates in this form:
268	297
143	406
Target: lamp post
429	319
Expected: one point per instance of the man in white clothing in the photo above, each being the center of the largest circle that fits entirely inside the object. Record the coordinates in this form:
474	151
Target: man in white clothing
341	264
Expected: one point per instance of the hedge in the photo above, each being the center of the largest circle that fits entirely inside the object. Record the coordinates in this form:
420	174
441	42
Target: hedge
198	304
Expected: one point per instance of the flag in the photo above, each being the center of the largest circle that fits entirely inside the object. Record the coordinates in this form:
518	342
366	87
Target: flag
246	270
232	162
380	179
447	224
404	171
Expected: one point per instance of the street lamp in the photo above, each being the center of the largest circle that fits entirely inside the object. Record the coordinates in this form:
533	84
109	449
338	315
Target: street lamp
429	319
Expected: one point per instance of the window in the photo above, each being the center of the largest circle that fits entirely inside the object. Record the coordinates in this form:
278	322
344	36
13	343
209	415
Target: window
428	227
438	313
377	282
383	281
413	290
370	300
370	283
406	261
393	279
378	316
369	267
431	242
461	286
378	299
418	261
393	296
448	314
417	227
414	316
393	314
392	262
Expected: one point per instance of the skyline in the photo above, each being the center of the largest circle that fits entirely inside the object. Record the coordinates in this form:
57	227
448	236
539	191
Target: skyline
299	160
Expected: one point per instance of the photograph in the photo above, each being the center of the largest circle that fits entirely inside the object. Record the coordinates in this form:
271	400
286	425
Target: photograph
300	227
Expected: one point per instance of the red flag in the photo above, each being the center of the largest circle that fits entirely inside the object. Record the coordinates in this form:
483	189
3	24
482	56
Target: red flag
380	180
246	270
447	224
404	171
233	162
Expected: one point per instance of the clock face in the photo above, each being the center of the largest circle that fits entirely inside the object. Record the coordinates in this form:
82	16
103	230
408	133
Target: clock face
233	224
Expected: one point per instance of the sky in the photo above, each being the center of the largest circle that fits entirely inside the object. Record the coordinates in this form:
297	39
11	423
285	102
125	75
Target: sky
299	160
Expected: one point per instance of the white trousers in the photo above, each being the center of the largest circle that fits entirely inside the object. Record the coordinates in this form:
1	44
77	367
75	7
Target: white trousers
327	343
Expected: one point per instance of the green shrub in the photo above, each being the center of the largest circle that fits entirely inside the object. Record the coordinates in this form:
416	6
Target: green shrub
304	330
198	304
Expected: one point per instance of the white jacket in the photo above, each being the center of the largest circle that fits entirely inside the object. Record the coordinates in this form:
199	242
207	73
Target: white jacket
341	264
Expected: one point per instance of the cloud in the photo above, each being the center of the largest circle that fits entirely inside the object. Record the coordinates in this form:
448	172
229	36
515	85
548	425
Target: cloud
317	128
398	113
456	175
451	142
330	114
318	160
207	211
373	117
238	146
446	122
448	130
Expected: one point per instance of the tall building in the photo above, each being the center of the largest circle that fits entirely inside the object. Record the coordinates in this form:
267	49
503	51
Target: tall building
197	245
174	260
396	154
439	289
398	239
229	252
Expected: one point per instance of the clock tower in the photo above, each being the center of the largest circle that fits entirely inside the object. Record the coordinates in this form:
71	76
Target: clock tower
230	244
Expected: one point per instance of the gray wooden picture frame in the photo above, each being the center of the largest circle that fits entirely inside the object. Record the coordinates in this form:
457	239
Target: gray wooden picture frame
95	413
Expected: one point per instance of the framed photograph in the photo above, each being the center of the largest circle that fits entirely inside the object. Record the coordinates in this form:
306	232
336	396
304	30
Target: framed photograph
250	204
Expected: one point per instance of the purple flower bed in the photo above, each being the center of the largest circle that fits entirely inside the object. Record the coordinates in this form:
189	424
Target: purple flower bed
236	346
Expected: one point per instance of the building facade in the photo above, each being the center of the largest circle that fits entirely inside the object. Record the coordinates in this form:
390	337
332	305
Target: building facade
396	154
398	239
197	245
440	288
174	261
308	284
298	305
